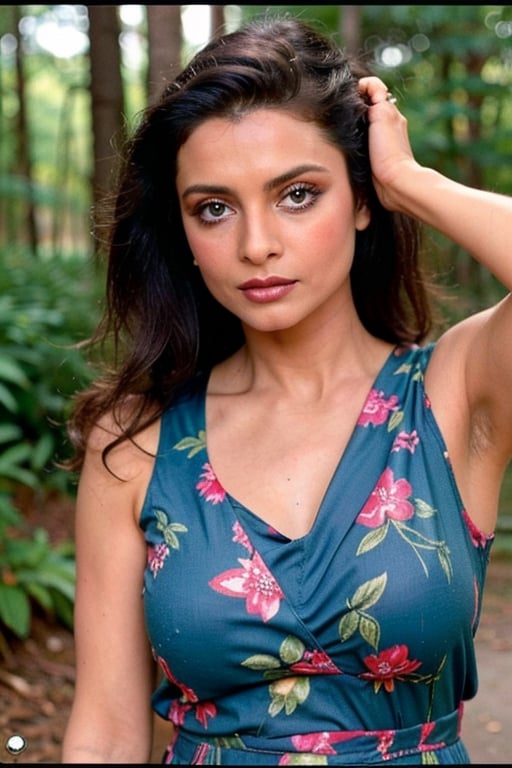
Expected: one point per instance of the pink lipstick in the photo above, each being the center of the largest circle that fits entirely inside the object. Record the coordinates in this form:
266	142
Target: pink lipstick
264	290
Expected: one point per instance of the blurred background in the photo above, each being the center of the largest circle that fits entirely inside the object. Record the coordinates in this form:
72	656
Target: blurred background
73	82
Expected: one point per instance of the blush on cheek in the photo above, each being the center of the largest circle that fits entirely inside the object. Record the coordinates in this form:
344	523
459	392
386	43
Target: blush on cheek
331	235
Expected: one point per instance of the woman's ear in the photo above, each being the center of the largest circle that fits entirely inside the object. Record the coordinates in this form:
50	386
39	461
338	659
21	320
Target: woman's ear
362	216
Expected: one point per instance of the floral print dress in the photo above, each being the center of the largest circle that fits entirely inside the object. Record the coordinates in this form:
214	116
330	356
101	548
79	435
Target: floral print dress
351	645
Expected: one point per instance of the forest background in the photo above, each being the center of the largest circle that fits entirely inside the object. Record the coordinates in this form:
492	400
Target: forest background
73	81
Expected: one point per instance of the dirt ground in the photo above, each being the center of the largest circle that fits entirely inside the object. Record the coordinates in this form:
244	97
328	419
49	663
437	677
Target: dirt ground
36	681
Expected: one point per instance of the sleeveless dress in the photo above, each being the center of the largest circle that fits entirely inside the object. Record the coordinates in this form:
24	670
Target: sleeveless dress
350	645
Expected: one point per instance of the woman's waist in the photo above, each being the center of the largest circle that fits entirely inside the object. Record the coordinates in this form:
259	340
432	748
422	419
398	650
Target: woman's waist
336	746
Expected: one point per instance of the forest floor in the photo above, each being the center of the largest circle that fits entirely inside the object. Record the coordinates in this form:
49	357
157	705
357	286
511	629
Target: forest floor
37	680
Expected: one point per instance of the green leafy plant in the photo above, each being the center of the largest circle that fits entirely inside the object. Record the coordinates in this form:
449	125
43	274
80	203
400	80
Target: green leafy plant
46	306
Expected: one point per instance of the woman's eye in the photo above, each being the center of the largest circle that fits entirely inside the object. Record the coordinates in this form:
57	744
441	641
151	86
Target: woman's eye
213	211
300	196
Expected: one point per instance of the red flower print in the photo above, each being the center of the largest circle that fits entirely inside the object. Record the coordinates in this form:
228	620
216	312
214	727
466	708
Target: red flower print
406	440
387	500
179	709
210	487
390	665
187	693
254	582
315	663
376	408
205	710
478	537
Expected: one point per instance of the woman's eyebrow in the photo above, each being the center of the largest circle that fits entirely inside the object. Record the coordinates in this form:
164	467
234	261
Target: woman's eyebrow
205	189
216	189
292	173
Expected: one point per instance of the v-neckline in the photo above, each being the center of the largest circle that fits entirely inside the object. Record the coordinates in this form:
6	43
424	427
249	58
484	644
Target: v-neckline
260	521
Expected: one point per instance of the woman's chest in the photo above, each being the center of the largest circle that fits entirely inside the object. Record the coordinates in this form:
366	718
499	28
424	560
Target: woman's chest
280	464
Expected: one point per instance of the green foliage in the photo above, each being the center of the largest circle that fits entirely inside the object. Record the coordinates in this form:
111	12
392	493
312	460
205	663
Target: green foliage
46	306
32	571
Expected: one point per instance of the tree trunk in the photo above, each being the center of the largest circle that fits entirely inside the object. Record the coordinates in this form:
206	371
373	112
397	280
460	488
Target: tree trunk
107	102
23	160
217	20
350	27
164	45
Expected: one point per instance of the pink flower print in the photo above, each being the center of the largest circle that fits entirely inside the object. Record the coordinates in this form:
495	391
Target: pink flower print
376	408
478	537
386	739
254	582
241	537
156	557
406	440
177	712
209	487
315	743
390	665
387	500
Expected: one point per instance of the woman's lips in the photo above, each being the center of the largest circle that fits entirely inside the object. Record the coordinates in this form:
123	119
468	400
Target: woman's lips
267	290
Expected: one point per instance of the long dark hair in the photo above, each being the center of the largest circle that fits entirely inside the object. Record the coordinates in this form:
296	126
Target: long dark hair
161	325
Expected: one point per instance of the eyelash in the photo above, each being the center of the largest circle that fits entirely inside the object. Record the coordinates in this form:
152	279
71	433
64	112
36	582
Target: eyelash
302	186
309	189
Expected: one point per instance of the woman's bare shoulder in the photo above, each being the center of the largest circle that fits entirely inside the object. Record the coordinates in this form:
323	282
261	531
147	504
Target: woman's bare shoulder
123	456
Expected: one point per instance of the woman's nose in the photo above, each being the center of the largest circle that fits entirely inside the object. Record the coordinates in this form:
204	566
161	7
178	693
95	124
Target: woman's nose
260	239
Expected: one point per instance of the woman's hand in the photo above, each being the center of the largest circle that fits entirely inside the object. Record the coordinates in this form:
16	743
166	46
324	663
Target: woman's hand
390	151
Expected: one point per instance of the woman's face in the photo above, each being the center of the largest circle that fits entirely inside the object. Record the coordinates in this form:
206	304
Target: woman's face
270	217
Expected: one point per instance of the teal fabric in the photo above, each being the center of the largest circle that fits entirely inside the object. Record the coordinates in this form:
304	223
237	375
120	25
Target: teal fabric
351	645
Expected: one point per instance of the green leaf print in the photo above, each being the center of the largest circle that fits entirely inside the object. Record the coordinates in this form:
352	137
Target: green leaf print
406	367
370	630
287	694
445	562
369	593
169	530
192	444
423	509
395	420
373	539
291	650
357	619
349	624
429	758
261	662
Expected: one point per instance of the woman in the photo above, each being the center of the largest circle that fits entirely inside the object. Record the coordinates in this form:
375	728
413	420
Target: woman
288	493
